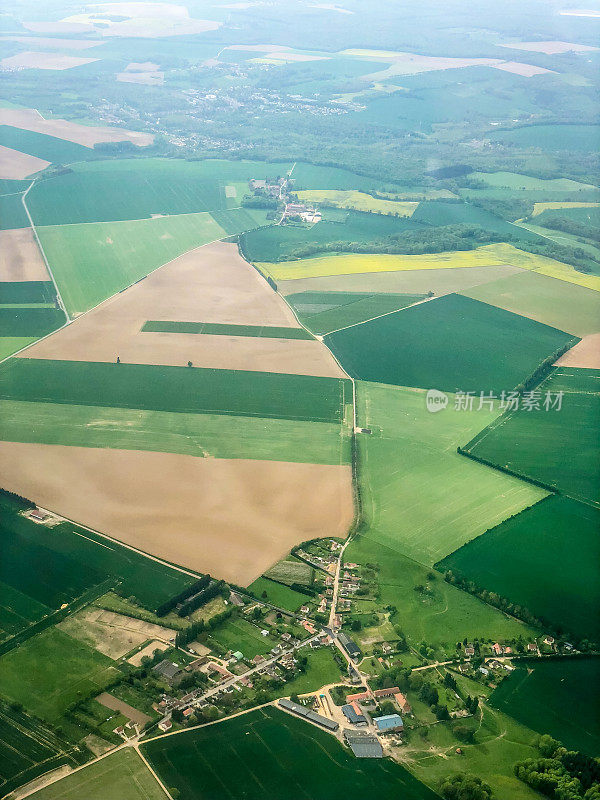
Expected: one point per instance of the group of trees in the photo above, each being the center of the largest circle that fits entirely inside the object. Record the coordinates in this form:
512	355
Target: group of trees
189	591
465	787
559	773
198	628
558	223
202	597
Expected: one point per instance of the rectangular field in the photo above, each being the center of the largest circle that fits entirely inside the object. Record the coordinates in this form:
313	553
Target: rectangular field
357	201
220	329
175	389
201	435
122	774
239	634
431	345
20	258
272	754
539	560
557	447
278	595
48	148
538	695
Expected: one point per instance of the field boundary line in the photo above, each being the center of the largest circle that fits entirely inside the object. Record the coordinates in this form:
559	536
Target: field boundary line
145	219
152	772
386	314
39	244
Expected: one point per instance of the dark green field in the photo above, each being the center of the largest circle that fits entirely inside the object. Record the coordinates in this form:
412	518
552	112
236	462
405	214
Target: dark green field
452	343
12	213
437	212
270	754
157	388
324	312
30	321
42	146
218	329
10	187
314	176
558	448
540	559
280	242
27	292
41	568
559	697
23	743
106	191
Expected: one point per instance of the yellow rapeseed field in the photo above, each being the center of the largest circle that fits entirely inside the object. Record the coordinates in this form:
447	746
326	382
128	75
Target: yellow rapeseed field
488	255
357	201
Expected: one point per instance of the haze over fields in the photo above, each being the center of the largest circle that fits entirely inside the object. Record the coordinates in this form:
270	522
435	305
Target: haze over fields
299	400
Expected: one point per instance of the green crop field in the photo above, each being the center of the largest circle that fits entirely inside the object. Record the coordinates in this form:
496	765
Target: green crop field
271	754
314	176
92	262
540	695
539	560
580	138
24	742
451	343
278	595
176	389
78	559
437	212
122	774
239	634
67	670
558	448
42	146
12	212
554	302
131	189
202	435
217	329
281	242
35	578
16	292
420	497
324	312
11	187
582	214
30	322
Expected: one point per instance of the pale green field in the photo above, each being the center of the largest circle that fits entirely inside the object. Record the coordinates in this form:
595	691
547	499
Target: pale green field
121	775
515	181
420	496
92	261
358	201
203	435
10	344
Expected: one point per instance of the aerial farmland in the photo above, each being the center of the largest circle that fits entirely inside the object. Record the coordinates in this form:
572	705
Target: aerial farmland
299	401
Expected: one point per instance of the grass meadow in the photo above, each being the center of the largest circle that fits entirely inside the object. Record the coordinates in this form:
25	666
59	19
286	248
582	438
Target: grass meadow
581	138
357	201
432	345
67	670
539	695
557	447
122	774
272	754
277	594
540	559
202	435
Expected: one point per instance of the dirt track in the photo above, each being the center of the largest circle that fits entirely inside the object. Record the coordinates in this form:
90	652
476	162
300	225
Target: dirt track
230	518
20	257
209	284
15	165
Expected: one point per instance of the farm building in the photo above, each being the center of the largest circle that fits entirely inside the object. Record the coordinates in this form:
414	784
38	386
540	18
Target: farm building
354	715
392	690
402	702
366	695
350	646
167	670
363	744
389	723
311	716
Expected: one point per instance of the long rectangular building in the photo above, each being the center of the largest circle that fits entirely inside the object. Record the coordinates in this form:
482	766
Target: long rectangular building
306	713
363	745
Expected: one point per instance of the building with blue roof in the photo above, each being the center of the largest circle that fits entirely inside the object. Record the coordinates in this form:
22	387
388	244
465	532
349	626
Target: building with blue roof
389	723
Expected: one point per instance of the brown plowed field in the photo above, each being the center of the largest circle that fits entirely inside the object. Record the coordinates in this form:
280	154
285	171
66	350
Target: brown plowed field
232	518
208	284
586	354
15	165
20	257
